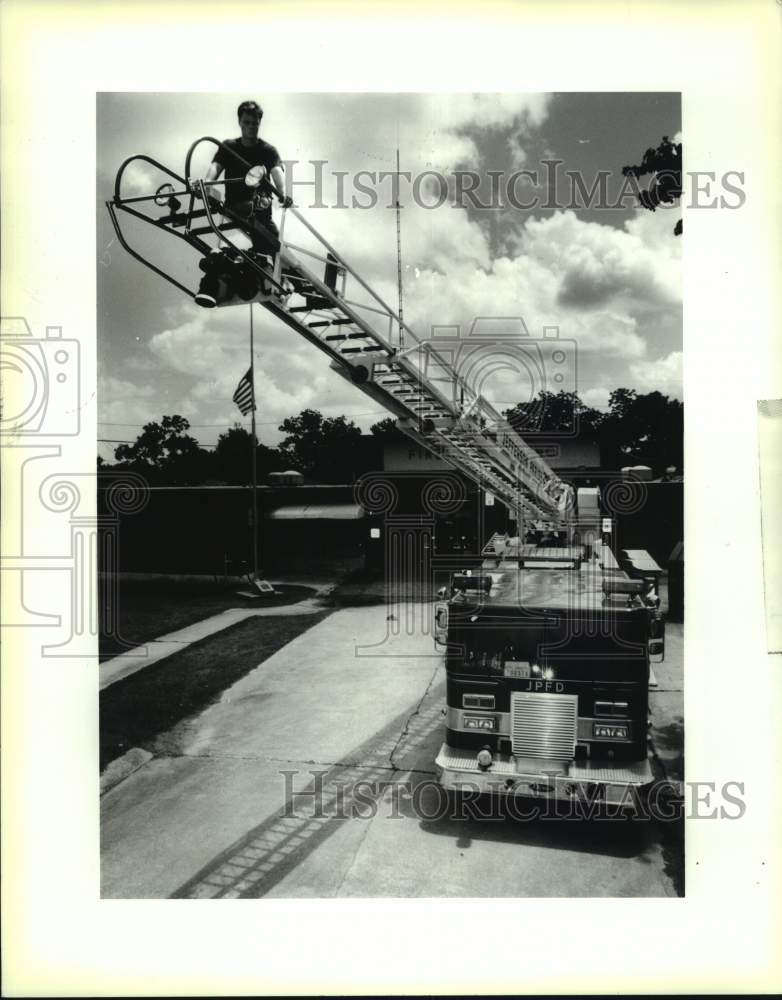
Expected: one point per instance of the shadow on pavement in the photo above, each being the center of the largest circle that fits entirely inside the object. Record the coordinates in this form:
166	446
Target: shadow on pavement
318	801
542	824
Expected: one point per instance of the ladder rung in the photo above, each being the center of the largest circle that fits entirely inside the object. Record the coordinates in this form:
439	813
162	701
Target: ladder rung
492	461
331	322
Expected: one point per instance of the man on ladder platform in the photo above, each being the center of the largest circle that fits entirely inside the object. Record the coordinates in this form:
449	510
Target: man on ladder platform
223	272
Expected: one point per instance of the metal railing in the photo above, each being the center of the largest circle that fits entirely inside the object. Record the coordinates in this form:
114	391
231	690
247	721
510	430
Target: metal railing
487	429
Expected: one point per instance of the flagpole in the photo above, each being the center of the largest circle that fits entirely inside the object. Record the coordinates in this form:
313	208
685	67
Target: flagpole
254	449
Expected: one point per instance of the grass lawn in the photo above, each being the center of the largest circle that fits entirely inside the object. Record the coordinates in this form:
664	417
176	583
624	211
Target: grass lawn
149	610
135	710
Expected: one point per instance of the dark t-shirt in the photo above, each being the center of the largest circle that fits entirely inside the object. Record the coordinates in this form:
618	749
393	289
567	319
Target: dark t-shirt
261	154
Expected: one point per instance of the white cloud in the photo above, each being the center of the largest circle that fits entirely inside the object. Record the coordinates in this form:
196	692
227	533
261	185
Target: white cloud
633	271
139	179
491	110
121	399
662	374
604	287
655	232
596	397
596	264
124	408
212	347
117	388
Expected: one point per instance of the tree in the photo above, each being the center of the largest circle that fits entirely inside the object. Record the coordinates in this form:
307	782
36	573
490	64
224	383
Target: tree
158	443
553	412
665	165
321	448
233	457
387	430
165	448
643	430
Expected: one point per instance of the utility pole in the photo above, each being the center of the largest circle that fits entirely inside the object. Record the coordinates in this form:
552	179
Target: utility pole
399	252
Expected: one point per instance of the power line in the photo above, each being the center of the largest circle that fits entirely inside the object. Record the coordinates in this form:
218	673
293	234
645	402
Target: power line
261	423
136	423
132	441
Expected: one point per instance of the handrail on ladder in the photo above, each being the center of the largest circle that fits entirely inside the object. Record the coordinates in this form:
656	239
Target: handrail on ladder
477	413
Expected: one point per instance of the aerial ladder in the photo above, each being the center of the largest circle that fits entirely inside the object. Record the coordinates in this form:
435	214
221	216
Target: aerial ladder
312	290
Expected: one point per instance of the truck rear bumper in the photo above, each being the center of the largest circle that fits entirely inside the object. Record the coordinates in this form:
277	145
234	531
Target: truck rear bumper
459	771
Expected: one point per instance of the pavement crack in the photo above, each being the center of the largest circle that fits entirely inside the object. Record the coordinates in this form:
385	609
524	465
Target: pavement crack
409	719
191	755
358	765
349	868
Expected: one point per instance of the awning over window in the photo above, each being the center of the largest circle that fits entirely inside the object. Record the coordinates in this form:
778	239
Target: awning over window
318	512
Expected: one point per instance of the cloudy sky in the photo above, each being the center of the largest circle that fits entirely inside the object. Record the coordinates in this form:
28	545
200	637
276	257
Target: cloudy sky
609	279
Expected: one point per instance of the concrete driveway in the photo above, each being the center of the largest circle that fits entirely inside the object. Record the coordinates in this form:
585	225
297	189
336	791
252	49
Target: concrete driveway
313	777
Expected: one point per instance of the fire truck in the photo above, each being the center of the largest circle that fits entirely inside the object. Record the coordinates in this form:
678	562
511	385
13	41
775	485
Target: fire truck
548	650
547	645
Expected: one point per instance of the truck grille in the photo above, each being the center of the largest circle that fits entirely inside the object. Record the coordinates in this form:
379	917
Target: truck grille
543	725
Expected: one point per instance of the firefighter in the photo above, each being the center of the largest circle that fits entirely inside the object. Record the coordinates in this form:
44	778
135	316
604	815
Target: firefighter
248	203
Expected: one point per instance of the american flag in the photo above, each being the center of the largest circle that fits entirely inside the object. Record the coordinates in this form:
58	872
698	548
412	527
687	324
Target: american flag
243	397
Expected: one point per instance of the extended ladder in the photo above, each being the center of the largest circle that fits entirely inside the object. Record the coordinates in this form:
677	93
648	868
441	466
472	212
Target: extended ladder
432	401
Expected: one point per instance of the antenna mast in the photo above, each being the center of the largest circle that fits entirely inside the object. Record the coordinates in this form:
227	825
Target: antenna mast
399	254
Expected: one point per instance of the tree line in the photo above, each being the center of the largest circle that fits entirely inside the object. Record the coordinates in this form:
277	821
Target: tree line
637	429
